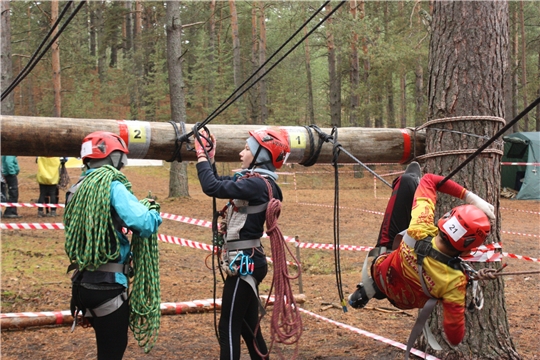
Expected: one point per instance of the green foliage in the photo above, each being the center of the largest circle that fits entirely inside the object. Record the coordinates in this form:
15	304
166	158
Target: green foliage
392	40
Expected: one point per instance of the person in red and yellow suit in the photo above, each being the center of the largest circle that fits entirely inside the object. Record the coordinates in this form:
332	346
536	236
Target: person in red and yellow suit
395	275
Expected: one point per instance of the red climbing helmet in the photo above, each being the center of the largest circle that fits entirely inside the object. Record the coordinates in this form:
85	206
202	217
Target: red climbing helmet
100	144
465	227
276	141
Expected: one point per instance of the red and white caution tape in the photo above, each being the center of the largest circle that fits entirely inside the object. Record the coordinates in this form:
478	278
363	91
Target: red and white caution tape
517	233
6	204
525	211
32	226
419	353
484	253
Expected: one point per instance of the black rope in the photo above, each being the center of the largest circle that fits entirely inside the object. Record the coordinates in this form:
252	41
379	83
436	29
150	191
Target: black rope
314	153
222	107
180	138
30	66
337	259
490	141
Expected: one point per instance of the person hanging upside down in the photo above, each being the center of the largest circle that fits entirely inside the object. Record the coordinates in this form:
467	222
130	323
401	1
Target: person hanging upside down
426	248
243	259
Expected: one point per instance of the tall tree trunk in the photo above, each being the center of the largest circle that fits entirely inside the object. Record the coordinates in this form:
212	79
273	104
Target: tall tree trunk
515	73
367	69
31	104
101	46
92	27
354	74
403	102
178	179
211	54
538	91
419	113
310	105
237	71
390	112
335	89
461	85
263	98
237	61
253	93
8	104
525	120
127	29
55	52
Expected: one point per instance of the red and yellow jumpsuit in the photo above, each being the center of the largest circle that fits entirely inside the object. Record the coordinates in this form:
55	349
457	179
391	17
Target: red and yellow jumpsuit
396	273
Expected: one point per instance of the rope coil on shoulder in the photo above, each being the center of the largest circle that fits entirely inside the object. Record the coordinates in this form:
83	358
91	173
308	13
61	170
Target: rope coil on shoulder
286	322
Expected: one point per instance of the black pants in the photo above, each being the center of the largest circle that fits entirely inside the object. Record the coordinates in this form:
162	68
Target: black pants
47	195
397	215
111	330
10	189
239	317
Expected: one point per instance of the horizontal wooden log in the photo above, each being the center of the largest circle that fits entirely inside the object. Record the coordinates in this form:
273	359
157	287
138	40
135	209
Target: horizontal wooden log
49	318
49	136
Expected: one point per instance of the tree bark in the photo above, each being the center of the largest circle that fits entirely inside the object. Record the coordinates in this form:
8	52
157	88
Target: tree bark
525	120
515	67
367	69
354	74
403	95
419	113
237	61
46	136
310	104
8	104
466	80
253	96
55	53
211	55
263	97
101	45
178	178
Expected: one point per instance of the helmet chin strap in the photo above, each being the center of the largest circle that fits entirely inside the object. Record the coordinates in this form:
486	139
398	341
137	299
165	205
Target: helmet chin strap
253	162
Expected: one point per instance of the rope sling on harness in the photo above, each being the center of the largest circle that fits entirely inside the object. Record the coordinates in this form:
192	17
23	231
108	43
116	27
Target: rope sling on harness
89	246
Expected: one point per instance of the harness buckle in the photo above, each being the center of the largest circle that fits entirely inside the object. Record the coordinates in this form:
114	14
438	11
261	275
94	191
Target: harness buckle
422	249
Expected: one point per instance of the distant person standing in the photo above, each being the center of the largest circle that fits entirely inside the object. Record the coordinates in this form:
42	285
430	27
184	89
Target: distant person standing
48	177
10	188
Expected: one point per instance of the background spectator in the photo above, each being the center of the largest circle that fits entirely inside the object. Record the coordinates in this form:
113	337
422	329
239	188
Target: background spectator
10	188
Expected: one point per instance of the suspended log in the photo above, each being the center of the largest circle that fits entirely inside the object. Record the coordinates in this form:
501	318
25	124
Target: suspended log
50	136
48	318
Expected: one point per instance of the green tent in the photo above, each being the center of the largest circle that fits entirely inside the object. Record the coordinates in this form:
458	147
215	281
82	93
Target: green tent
522	148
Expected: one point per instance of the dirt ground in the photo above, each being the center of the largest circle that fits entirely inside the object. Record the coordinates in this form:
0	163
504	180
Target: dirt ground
33	271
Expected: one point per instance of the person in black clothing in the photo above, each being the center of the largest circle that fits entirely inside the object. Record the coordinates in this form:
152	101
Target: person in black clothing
243	259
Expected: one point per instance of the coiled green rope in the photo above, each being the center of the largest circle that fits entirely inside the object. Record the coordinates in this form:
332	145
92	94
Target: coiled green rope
145	298
88	225
88	221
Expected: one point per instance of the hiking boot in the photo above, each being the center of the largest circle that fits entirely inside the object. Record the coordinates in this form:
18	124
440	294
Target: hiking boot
12	216
359	298
415	170
52	213
40	213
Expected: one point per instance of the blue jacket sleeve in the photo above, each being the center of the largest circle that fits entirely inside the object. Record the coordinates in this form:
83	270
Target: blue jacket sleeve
134	214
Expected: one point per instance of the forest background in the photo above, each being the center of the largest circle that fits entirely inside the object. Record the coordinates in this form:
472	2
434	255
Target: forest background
366	67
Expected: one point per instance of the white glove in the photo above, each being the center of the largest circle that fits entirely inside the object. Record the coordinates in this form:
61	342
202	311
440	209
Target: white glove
480	203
